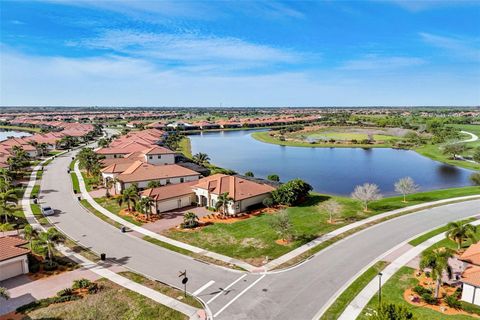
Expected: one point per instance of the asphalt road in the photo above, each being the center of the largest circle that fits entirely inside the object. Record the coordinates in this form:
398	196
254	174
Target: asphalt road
298	293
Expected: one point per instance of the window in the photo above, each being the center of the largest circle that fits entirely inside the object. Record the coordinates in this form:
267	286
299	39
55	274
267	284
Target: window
168	181
182	180
150	157
159	157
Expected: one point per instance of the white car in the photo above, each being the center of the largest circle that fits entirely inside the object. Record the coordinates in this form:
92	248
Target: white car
47	211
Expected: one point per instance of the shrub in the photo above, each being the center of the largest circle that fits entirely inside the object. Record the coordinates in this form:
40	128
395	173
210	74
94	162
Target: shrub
81	284
268	202
291	192
429	298
421	290
273	177
33	264
249	174
93	288
50	266
452	301
65	292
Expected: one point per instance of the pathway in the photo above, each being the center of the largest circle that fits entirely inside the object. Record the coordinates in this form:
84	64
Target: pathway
473	138
355	307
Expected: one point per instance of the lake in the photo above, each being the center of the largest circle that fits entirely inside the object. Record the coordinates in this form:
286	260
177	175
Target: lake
328	170
6	134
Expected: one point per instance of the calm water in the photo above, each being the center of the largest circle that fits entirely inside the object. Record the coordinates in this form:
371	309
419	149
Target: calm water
328	170
5	134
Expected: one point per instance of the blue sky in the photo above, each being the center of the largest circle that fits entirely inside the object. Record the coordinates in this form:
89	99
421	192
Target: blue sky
240	53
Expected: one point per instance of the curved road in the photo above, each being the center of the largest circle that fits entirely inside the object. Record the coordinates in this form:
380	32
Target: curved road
298	293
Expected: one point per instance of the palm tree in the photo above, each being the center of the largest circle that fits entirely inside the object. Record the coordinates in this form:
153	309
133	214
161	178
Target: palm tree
201	158
437	261
30	234
190	220
109	183
5	180
460	232
4	293
145	206
223	201
47	241
128	196
6	205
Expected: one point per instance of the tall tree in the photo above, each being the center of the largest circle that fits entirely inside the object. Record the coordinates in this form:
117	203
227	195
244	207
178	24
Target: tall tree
190	220
366	193
460	232
144	206
437	261
30	234
454	149
201	158
406	186
46	243
281	223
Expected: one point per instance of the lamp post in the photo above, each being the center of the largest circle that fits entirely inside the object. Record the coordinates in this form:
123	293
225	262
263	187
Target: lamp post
379	289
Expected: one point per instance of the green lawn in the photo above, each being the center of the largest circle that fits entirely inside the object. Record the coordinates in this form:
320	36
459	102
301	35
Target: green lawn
18	128
112	205
185	147
424	237
37	212
392	292
435	151
352	291
253	239
264	136
112	302
75	184
89	207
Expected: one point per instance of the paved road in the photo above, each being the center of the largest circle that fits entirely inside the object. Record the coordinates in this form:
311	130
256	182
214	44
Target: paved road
295	294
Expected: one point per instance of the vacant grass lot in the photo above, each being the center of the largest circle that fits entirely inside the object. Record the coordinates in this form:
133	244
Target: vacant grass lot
112	302
253	239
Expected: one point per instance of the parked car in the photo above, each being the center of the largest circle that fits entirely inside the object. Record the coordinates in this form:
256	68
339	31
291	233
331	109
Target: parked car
47	211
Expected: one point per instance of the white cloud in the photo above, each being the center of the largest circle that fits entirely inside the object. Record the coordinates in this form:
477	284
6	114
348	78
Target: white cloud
376	62
189	48
113	80
463	48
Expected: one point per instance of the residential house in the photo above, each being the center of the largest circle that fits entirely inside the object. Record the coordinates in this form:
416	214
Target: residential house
471	276
13	258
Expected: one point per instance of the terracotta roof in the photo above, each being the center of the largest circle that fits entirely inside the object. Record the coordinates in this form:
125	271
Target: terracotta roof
139	171
236	187
9	247
471	275
169	191
158	150
118	167
472	254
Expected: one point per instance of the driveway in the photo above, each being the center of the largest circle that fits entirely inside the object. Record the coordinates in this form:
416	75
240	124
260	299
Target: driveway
171	219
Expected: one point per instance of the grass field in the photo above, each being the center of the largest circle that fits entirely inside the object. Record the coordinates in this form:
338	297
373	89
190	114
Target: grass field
428	235
18	128
112	302
435	151
253	239
264	136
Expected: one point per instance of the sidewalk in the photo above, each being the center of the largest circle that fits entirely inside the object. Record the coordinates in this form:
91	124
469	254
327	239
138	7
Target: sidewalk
356	306
154	235
191	312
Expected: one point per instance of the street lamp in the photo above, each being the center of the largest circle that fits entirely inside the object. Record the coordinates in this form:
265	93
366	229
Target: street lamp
379	289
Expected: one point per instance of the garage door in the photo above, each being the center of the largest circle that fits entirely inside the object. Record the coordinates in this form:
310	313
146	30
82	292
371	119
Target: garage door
174	204
11	270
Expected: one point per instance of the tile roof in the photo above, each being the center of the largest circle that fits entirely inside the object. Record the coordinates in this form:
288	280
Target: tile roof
10	247
472	254
139	171
236	187
169	191
471	275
